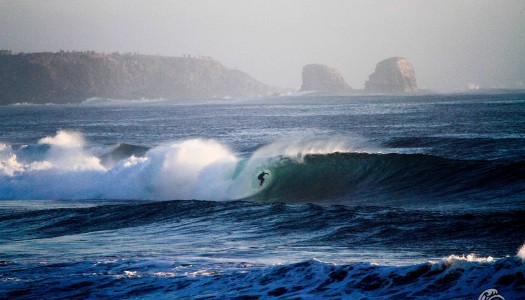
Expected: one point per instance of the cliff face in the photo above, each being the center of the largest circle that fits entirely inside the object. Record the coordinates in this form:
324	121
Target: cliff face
392	75
74	77
321	78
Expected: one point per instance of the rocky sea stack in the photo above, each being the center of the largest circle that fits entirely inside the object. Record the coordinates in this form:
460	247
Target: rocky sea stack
392	75
323	79
68	77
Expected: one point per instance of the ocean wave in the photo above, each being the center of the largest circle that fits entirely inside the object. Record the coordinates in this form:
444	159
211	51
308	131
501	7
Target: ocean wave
332	170
249	249
105	101
305	225
390	179
315	279
64	166
451	278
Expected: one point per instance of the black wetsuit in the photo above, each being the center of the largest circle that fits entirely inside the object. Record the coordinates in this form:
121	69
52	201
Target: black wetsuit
261	177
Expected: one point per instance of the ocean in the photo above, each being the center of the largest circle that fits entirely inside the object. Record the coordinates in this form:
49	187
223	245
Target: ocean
362	197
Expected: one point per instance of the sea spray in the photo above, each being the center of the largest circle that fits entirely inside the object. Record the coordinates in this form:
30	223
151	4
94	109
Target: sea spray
329	170
65	139
521	253
63	167
184	169
298	148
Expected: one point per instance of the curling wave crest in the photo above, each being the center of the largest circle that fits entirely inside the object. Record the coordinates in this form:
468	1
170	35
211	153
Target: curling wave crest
65	166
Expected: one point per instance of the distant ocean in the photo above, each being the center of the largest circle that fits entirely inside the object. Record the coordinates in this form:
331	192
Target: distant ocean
364	197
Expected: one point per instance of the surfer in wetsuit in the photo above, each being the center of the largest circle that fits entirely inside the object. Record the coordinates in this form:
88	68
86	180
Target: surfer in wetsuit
261	177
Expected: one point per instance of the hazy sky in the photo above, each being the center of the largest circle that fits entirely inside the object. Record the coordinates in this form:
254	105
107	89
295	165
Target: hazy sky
450	43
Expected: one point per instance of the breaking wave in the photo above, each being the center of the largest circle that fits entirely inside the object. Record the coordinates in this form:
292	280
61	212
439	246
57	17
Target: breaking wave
452	278
64	166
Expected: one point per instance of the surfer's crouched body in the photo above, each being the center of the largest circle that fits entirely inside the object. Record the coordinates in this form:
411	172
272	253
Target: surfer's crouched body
261	177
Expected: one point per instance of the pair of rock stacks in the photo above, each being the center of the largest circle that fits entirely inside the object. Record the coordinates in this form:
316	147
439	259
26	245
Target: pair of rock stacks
392	75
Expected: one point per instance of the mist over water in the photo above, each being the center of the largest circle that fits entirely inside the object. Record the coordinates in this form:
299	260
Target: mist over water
452	46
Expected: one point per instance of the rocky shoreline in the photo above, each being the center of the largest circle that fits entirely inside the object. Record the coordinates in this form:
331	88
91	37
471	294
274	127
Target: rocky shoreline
72	77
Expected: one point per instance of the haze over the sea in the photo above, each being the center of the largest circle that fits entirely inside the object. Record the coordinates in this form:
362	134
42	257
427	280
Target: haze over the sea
452	44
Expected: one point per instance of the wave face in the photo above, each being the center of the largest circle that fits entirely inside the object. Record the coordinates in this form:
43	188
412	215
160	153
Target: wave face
394	178
431	232
318	171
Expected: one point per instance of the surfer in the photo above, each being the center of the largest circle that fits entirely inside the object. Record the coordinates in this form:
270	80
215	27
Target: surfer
261	177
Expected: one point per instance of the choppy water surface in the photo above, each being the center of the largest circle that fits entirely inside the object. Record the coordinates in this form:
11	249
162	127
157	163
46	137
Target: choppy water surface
365	197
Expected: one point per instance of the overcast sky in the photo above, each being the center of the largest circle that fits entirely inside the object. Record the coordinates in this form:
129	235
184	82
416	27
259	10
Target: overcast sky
450	43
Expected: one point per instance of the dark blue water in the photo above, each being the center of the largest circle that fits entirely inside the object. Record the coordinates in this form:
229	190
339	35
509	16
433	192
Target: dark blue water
365	197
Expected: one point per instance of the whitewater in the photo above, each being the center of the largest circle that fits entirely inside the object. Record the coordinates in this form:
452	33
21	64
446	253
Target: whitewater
365	197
